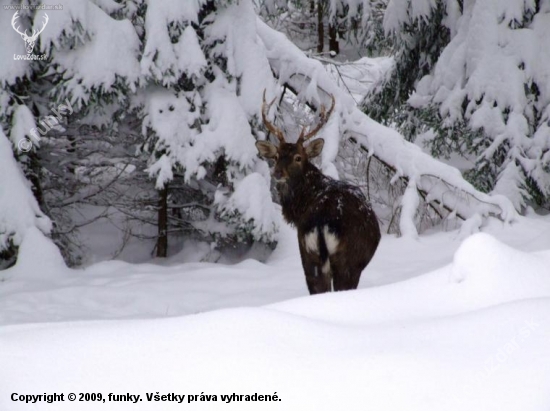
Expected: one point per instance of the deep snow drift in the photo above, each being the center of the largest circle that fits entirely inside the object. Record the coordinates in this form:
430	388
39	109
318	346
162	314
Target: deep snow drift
472	335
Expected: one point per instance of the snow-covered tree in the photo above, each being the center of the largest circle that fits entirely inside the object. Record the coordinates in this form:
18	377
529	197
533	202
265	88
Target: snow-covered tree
326	26
417	43
19	210
185	77
68	105
207	72
440	187
165	102
480	72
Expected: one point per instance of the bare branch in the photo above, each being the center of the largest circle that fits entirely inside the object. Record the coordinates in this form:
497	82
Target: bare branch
270	127
324	116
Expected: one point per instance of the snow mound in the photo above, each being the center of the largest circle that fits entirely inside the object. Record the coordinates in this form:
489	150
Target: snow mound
484	273
453	364
19	209
492	272
38	257
490	265
472	335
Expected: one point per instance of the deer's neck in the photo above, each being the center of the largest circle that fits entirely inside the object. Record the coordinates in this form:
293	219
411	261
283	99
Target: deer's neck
299	193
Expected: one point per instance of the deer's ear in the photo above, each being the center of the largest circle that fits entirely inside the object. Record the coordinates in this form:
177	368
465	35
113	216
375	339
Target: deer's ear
266	149
315	147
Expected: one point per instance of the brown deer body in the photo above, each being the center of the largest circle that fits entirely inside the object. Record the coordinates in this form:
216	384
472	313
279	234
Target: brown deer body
338	231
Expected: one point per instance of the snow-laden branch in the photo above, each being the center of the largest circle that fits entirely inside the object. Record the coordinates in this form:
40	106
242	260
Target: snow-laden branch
437	182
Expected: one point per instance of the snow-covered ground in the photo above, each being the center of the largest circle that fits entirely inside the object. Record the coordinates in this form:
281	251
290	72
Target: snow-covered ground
439	323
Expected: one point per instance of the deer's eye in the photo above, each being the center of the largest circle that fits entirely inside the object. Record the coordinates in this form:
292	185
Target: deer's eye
297	158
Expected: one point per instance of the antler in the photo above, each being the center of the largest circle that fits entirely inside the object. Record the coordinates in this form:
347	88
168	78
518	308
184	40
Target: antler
324	116
270	127
36	33
15	17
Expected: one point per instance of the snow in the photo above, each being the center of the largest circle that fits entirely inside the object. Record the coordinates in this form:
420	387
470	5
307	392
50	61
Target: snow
252	198
175	10
38	259
471	334
438	180
106	49
395	15
494	61
446	321
191	59
19	210
246	56
159	56
11	43
22	123
189	130
229	127
169	115
162	169
217	118
409	206
358	77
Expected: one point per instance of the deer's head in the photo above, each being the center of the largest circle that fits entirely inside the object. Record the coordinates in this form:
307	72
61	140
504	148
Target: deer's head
29	40
291	159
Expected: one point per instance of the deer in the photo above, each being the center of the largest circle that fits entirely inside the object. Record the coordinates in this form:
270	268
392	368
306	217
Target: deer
338	231
29	40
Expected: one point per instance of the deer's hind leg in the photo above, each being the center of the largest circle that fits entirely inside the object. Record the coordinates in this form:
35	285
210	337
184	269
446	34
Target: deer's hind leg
346	274
317	280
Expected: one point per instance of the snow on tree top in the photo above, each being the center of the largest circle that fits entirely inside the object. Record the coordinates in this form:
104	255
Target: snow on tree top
103	52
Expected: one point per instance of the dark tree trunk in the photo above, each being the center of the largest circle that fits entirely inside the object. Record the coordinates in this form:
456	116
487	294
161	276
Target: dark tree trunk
71	150
320	28
162	240
333	39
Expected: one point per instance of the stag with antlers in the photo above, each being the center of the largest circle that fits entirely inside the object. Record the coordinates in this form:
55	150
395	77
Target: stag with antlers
29	40
338	231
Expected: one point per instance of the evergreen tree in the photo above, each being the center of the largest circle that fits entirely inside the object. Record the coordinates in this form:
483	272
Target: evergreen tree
172	103
20	191
417	42
469	77
206	74
150	109
324	26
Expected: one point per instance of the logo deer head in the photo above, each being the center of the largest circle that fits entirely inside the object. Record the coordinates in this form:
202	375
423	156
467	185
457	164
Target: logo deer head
29	40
